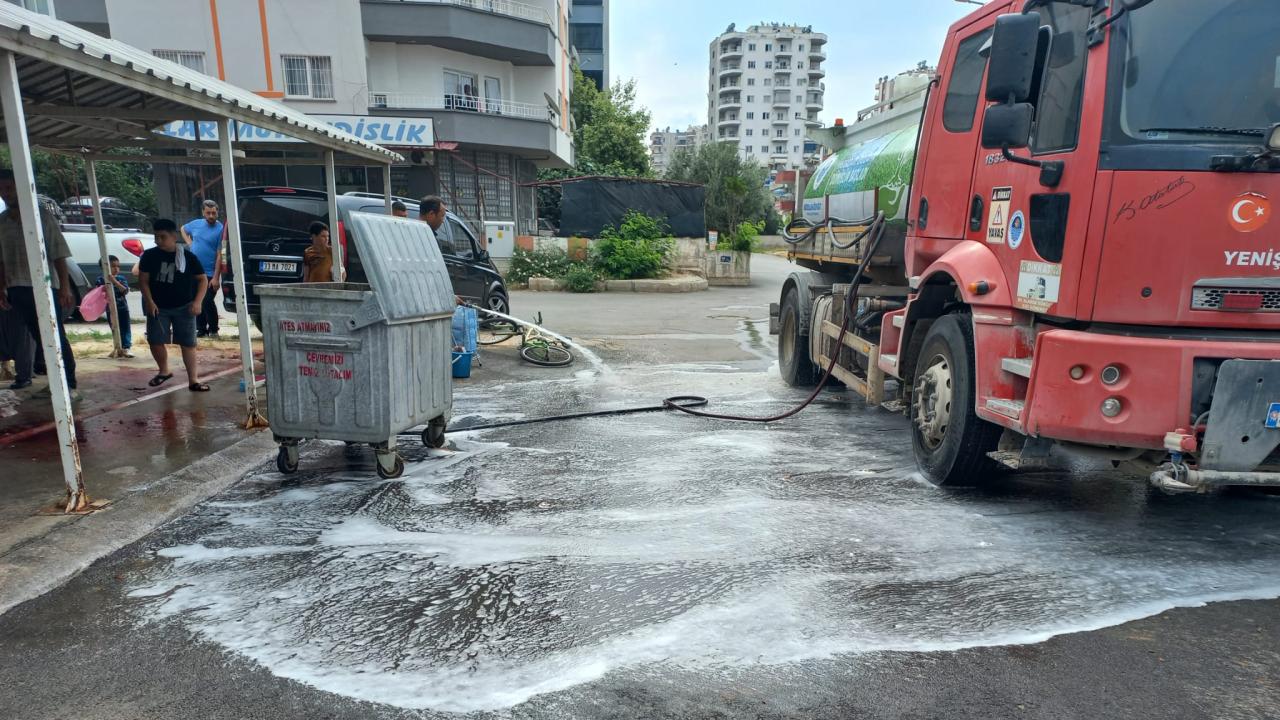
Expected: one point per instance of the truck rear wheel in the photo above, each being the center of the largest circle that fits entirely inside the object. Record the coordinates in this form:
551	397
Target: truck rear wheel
950	441
793	348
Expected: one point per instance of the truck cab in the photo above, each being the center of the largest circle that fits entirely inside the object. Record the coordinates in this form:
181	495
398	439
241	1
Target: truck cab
1089	254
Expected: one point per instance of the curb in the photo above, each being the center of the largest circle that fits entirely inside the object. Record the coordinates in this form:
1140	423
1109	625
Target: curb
44	563
683	284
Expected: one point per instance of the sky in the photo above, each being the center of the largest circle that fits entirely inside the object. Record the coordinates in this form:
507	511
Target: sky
664	45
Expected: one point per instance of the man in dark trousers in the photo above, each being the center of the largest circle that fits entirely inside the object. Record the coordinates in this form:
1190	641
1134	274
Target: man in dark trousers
204	238
16	287
173	288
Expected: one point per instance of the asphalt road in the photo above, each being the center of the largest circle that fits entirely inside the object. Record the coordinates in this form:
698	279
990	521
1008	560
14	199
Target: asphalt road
658	566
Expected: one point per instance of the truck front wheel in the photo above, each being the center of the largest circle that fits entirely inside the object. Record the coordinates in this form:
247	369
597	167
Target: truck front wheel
793	348
950	441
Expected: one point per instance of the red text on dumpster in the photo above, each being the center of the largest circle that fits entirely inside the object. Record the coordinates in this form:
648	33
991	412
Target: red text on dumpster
331	373
327	358
319	326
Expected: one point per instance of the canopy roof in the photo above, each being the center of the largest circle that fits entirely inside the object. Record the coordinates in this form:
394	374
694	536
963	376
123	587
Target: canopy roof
81	90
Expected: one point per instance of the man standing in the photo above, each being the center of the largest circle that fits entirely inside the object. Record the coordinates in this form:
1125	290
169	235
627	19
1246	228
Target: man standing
17	290
173	290
398	209
204	236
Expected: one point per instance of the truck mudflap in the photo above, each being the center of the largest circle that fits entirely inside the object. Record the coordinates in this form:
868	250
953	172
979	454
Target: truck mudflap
1242	432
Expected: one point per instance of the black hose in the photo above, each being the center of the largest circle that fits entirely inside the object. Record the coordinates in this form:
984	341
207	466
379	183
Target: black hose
679	401
827	224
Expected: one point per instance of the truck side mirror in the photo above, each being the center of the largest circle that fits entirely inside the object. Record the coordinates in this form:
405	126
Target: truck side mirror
1014	46
1008	126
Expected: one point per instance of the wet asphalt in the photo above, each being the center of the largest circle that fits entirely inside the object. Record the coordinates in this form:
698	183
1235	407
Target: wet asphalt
662	566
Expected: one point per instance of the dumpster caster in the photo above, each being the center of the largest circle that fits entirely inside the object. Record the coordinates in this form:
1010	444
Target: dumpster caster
433	436
390	465
287	459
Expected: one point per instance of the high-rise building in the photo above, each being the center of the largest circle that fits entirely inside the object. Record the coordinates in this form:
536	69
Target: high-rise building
664	144
765	88
474	95
589	37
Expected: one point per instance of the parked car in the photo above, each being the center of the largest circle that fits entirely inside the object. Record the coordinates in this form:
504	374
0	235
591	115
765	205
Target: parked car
115	213
273	235
52	206
83	241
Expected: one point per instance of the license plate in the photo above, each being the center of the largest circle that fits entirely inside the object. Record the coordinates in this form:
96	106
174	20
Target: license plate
268	266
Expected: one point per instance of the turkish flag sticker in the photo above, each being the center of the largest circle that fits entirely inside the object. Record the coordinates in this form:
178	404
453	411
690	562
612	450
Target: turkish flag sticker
1249	212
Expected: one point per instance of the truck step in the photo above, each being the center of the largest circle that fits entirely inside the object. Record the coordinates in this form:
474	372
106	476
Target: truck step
1017	366
1008	408
899	321
889	361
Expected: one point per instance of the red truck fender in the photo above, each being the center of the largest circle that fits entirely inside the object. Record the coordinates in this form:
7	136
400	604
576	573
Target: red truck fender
966	266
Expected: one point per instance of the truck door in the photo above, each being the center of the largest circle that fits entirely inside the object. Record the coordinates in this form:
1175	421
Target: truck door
1038	232
950	139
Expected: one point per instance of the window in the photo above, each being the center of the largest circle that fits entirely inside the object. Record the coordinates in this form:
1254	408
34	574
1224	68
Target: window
768	81
802	81
44	7
1057	125
764	148
751	116
800	47
764	116
751	64
456	241
749	132
751	46
780	149
799	98
965	86
768	64
587	38
460	91
780	132
751	98
308	76
185	58
796	132
799	66
795	148
768	47
751	81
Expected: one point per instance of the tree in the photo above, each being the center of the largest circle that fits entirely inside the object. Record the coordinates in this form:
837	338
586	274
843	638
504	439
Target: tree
735	188
608	129
61	177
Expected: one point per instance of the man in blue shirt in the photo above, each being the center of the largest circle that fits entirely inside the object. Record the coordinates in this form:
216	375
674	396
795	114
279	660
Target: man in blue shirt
204	236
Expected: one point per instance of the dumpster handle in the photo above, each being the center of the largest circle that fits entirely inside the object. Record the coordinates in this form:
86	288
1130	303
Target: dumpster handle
321	343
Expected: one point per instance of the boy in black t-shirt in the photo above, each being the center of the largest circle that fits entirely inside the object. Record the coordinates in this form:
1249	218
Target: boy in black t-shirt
173	287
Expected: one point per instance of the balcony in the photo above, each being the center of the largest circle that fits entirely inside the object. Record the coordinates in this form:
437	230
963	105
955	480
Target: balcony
813	102
781	120
817	55
515	32
782	101
730	69
732	103
522	128
730	50
817	72
729	87
729	122
783	52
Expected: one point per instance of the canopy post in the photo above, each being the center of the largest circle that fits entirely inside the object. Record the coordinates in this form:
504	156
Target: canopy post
42	286
386	185
253	418
91	172
335	234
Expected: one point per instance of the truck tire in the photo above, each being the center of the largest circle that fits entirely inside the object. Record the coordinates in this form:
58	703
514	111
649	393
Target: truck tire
793	348
949	440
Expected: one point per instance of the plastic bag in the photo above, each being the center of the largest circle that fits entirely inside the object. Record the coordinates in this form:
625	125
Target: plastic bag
94	303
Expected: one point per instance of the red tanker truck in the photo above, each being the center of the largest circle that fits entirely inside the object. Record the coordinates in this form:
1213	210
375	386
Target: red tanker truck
1075	243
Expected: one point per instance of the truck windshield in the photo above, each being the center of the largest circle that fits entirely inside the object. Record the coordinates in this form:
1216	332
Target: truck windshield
1189	77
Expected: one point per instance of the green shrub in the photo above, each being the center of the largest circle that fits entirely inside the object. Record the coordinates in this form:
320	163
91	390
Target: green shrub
552	263
580	278
743	239
636	249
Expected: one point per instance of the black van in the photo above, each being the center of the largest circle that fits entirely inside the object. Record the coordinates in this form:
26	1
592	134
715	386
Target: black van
273	235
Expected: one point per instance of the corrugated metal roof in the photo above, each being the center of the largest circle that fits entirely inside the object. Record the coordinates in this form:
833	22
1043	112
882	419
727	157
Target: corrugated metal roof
62	67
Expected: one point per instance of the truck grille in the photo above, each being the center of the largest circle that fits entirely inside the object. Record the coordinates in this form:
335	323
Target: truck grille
1208	298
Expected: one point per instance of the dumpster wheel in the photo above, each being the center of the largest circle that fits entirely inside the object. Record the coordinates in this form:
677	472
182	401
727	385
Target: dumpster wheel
433	435
392	471
287	459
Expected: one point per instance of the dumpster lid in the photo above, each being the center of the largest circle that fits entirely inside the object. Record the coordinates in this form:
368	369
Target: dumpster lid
403	265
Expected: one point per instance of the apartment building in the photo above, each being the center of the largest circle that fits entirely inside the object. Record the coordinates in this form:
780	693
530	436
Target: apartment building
765	87
664	144
474	93
589	37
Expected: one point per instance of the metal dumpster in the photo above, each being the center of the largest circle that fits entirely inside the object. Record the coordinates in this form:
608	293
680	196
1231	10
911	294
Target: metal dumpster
363	363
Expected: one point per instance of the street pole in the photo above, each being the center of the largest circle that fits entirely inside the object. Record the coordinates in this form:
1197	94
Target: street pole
91	171
386	185
253	418
41	284
335	239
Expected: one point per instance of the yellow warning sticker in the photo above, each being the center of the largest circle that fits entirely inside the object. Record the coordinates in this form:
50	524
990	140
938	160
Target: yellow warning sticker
998	220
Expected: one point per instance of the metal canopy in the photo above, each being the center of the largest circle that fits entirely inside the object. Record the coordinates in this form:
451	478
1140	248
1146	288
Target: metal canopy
81	90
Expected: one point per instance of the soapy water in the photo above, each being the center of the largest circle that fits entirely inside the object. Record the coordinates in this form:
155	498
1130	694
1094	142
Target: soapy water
596	363
532	562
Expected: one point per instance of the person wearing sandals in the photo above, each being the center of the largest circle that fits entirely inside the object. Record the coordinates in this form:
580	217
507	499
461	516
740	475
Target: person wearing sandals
173	286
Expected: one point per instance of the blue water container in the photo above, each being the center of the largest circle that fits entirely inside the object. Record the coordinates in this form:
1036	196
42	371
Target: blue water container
462	364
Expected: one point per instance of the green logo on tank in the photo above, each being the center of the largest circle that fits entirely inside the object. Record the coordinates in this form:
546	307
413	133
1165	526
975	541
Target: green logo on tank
886	162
